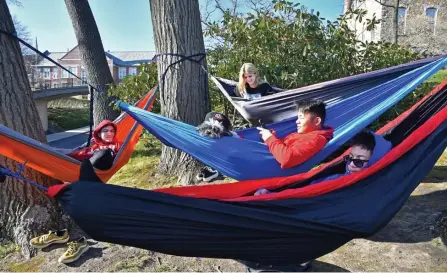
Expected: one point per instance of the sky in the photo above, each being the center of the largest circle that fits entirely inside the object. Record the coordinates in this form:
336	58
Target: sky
124	25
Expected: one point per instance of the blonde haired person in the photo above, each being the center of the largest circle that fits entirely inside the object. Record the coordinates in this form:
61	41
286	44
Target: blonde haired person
250	85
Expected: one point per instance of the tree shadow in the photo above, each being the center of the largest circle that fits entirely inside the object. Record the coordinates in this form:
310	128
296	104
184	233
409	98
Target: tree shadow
416	221
318	266
437	175
92	252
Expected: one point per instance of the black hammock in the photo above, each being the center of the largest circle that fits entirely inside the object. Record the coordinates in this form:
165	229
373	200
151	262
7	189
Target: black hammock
294	225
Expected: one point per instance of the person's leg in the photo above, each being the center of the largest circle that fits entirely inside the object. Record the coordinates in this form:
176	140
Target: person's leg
102	159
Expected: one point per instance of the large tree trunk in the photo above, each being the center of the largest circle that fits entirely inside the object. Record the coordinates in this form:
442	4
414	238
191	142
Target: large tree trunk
93	57
184	94
24	210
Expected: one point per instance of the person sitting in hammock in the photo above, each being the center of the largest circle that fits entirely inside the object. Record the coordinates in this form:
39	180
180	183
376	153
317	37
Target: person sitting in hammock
366	149
310	138
103	147
250	85
215	125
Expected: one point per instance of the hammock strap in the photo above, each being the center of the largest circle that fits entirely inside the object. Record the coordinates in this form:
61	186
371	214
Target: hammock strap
182	58
18	175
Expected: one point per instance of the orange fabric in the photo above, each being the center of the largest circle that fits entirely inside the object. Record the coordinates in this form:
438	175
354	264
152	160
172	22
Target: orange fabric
65	169
297	148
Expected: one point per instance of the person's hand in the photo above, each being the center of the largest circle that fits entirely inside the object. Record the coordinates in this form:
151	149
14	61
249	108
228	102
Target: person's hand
261	191
265	133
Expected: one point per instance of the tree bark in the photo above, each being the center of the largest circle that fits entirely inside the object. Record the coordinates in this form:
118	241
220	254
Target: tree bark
93	57
24	210
184	94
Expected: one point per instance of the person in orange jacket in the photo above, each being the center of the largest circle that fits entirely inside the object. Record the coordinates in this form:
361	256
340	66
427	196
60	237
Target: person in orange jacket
310	138
103	147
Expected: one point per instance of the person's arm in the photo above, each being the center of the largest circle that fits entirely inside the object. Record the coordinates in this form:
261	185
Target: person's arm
296	152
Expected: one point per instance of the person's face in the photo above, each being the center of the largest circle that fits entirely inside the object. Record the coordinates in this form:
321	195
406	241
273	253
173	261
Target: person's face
250	78
307	122
358	158
107	133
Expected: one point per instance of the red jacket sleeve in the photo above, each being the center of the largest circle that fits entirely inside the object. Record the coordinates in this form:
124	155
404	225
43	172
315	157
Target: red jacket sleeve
295	152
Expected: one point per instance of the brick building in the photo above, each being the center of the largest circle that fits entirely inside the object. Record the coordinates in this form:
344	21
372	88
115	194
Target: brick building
121	64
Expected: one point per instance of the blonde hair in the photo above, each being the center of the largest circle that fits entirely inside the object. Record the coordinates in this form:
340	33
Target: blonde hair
247	68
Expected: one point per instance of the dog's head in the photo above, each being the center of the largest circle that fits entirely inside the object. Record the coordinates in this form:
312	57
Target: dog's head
212	128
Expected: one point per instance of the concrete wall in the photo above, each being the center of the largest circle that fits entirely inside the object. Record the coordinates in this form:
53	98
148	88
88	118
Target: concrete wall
372	8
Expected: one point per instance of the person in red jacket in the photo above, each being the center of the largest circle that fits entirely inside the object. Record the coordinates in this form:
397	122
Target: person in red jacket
103	146
310	138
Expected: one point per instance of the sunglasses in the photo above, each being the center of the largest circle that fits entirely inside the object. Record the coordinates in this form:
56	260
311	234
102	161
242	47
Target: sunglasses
359	163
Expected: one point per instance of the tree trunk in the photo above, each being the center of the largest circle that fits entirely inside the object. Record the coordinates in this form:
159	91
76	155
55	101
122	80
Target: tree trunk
347	6
24	210
93	57
396	22
184	94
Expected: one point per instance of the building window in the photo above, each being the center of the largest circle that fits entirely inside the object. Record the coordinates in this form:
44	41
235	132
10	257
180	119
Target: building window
401	19
54	75
73	70
122	72
64	74
55	85
432	14
46	73
83	75
132	71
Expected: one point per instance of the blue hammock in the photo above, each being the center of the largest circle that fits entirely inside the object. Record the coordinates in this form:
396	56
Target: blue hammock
248	158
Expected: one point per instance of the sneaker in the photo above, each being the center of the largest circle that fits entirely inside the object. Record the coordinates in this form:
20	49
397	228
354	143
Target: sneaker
53	237
199	176
74	251
209	174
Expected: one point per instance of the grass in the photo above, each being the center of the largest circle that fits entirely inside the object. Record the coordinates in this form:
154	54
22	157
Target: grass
32	265
438	77
67	118
7	249
132	265
141	170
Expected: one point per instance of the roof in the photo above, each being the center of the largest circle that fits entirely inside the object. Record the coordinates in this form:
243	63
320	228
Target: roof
53	55
120	58
128	58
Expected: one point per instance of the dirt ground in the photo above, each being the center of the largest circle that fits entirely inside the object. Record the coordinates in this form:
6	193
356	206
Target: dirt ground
408	243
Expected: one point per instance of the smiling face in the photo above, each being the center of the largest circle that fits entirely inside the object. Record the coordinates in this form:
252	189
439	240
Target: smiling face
107	133
307	122
358	158
250	78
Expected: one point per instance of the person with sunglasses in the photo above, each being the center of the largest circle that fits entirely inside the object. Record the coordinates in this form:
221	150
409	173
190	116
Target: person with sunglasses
366	149
250	85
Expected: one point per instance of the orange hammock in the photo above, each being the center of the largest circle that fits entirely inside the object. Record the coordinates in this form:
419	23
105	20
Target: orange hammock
43	158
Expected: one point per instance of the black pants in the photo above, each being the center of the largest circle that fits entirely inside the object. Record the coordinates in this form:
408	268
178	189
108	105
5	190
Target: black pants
103	159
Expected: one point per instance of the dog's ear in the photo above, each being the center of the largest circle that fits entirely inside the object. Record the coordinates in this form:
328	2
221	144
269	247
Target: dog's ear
87	172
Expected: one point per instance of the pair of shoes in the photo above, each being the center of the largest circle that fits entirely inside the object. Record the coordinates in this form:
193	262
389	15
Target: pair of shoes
75	248
207	174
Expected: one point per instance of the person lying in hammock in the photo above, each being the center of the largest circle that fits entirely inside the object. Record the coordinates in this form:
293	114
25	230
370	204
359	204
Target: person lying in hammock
215	125
366	149
250	85
103	147
310	138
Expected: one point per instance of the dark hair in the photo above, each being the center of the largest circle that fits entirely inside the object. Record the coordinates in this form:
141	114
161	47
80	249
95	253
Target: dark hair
316	107
364	140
